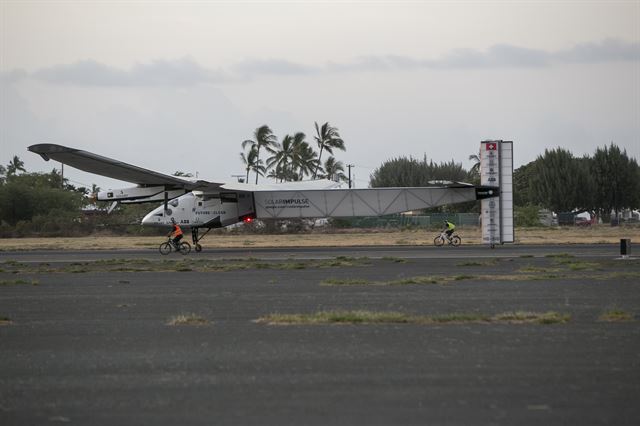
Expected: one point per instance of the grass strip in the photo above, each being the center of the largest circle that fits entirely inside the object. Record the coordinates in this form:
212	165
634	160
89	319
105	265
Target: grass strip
394	259
181	265
5	320
491	262
538	269
391	317
360	281
345	281
420	279
187	319
18	282
463	277
578	265
522	317
616	315
559	255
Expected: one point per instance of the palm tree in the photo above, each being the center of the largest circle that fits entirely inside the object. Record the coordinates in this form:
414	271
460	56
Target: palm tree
93	192
249	160
14	166
475	169
334	170
304	159
258	168
263	137
327	138
282	159
274	174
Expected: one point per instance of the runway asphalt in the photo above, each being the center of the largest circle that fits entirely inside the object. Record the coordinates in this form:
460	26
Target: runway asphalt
94	347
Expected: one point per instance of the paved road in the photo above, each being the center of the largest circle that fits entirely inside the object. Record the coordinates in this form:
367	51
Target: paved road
94	348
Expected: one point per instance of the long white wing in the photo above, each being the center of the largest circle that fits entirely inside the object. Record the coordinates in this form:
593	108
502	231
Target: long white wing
283	186
93	163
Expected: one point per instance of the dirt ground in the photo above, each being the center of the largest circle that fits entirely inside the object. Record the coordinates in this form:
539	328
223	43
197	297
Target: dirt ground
603	234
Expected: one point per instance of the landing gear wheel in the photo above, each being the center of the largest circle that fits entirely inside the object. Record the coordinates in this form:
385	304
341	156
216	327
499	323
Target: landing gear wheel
198	248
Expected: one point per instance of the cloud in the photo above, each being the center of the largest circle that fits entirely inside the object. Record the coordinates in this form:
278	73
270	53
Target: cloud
609	50
252	67
12	76
186	72
497	56
368	63
501	56
180	72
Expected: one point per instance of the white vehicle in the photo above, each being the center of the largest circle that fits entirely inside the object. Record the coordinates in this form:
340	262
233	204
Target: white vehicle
203	205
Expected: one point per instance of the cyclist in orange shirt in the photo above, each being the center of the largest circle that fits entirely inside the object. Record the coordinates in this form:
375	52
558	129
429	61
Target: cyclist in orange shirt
176	233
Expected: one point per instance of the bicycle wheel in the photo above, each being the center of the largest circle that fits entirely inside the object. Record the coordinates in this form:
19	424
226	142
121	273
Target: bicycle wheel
185	247
455	241
438	241
165	248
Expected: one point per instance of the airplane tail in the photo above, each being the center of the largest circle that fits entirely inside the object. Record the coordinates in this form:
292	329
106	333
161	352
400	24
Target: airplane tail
496	169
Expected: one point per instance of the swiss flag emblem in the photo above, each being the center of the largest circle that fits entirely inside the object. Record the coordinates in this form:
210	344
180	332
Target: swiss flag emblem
491	146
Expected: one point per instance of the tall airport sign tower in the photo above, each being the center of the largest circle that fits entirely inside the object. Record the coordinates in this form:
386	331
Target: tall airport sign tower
496	169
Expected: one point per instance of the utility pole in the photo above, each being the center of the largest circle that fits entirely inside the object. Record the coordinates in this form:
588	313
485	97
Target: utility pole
349	166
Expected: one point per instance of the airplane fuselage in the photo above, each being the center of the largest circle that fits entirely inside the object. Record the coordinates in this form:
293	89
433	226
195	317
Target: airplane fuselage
195	210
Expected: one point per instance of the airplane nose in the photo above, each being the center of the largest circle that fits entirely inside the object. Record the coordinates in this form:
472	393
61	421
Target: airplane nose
154	217
147	219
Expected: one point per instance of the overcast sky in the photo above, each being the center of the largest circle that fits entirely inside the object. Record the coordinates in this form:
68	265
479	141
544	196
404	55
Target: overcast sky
179	85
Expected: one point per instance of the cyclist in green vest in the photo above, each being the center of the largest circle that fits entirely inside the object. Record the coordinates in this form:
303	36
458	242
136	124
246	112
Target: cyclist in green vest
449	228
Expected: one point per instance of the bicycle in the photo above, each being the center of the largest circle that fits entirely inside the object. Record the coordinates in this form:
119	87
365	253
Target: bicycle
439	241
168	246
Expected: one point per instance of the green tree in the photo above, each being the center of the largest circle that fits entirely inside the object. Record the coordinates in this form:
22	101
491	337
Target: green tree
408	171
522	177
557	180
586	186
250	160
15	165
334	170
293	159
3	174
527	215
474	172
305	159
281	161
328	138
32	194
616	180
263	137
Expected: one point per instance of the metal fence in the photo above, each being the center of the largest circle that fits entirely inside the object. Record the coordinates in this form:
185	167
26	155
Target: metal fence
403	221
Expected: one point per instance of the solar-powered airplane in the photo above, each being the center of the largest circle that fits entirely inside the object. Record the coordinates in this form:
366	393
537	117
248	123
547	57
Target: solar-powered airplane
204	205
